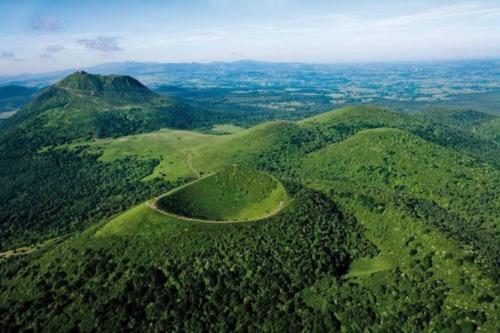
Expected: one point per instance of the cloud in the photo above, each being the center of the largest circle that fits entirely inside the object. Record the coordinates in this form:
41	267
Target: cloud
439	13
101	43
47	23
349	23
9	56
50	50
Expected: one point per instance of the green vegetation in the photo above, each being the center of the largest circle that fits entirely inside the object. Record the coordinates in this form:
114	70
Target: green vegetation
349	120
85	106
57	192
366	266
490	130
180	153
226	129
193	276
36	174
232	194
484	125
369	174
390	219
466	119
443	188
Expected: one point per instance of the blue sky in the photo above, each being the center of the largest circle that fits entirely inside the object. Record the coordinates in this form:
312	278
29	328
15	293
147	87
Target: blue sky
45	35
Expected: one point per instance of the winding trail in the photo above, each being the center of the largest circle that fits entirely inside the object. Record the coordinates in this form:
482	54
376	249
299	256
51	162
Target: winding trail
78	92
185	218
189	164
28	249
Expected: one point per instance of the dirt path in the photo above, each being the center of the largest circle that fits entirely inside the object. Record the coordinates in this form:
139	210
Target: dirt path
185	218
183	231
79	94
28	249
17	252
189	163
153	205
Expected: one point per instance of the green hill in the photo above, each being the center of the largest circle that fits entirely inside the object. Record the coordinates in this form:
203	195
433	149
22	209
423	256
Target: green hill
341	123
93	85
390	224
232	194
384	166
484	125
467	119
80	107
84	106
147	270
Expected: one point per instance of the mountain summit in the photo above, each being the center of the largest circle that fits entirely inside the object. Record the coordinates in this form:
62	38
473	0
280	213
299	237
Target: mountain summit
84	105
84	82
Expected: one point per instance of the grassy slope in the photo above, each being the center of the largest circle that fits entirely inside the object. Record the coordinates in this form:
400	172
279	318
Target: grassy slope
454	178
393	159
170	147
226	129
143	221
347	121
364	173
457	183
211	152
207	153
381	163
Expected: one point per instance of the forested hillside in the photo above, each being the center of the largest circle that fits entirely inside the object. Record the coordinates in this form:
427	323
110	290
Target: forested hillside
385	221
36	175
91	106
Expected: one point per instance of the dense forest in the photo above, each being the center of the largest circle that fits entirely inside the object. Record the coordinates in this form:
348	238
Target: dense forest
233	269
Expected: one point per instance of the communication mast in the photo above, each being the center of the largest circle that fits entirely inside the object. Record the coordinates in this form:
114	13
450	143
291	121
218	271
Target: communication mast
78	69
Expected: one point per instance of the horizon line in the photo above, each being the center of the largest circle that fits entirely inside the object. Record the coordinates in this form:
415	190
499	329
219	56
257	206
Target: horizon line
338	63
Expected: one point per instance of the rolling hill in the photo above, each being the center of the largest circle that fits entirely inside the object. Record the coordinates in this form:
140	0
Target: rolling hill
80	107
476	123
84	106
350	120
390	222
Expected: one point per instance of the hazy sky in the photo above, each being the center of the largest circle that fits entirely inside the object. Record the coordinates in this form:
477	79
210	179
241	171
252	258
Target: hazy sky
44	35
